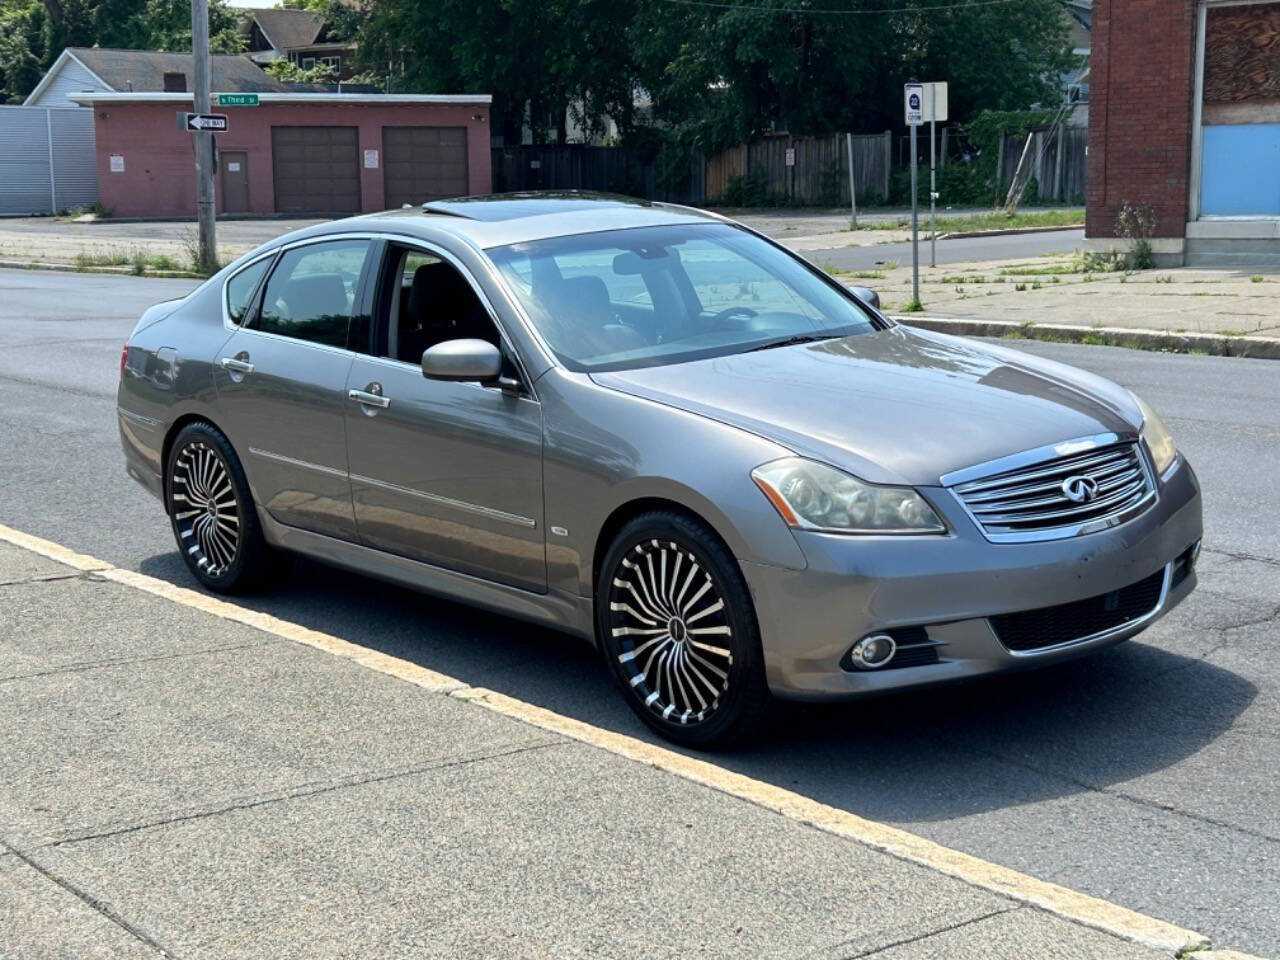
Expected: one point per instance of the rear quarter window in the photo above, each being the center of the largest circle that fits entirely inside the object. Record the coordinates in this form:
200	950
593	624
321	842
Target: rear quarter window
241	286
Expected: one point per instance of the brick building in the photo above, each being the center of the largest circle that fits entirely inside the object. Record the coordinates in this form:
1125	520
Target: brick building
299	153
1185	120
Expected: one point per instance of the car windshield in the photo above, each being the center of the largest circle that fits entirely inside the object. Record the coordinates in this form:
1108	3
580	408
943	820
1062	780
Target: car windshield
649	296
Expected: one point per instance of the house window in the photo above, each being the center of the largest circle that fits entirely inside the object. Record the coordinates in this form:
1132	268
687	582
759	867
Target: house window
308	63
333	62
175	83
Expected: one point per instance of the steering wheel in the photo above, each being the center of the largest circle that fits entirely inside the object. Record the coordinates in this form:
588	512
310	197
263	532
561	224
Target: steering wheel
728	312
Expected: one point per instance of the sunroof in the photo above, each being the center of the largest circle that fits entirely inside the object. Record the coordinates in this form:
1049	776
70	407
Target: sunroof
512	206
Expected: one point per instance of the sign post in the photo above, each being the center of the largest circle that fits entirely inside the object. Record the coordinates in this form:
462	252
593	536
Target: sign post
935	100
853	187
913	97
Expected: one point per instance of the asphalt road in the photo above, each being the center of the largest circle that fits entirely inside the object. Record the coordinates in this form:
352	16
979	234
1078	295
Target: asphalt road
1145	775
958	250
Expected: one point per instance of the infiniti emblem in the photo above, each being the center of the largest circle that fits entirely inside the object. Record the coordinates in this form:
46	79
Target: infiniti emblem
1080	489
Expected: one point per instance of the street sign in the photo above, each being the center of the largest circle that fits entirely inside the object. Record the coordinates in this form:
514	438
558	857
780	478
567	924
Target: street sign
935	102
212	122
236	99
913	96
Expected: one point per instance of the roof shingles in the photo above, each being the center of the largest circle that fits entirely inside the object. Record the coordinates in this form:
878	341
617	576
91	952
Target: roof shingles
142	71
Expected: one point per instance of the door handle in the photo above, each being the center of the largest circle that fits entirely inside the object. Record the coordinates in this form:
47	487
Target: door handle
369	399
237	365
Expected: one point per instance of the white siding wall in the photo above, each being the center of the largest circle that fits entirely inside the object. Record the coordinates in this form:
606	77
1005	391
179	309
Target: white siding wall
71	78
27	185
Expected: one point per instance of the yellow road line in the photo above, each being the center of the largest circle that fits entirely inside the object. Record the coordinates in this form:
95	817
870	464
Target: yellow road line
1060	901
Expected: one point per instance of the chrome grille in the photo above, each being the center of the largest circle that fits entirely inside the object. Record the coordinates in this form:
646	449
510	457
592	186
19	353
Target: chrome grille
1031	502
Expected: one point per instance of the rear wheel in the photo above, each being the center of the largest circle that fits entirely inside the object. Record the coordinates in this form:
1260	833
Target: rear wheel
676	623
212	512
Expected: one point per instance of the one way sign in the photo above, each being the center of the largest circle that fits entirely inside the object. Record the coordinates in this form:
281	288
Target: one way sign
213	122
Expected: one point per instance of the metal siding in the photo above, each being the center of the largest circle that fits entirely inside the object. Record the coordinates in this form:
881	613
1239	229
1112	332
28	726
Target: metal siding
72	78
75	161
24	160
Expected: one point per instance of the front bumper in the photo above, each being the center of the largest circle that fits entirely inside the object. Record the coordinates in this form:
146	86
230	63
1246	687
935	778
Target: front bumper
950	585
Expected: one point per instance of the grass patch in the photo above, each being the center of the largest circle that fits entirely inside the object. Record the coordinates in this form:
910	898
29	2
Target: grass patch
915	306
1257	278
1047	270
996	220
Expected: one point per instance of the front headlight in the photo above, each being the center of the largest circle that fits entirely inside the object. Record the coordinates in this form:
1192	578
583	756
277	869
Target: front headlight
813	496
1159	439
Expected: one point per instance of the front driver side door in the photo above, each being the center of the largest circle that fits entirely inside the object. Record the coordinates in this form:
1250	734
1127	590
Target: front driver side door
446	473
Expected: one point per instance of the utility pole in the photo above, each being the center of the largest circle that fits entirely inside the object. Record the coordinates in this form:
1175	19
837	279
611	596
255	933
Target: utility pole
205	210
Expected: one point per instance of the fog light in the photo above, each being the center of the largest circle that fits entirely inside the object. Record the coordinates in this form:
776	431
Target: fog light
873	651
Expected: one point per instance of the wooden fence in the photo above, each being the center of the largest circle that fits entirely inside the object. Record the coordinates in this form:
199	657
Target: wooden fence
819	174
1055	159
576	166
758	172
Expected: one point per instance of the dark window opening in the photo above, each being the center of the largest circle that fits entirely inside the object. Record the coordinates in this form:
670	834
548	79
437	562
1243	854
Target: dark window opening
428	302
175	83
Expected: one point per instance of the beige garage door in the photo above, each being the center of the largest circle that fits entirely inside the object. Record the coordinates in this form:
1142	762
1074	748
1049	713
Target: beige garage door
424	163
317	169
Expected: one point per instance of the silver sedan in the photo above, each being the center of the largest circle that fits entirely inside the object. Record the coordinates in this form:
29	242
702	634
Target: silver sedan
656	429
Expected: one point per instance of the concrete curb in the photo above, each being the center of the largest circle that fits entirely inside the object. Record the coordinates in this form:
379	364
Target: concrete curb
1214	344
966	234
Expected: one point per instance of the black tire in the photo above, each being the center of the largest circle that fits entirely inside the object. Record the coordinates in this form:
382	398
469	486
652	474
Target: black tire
212	513
700	686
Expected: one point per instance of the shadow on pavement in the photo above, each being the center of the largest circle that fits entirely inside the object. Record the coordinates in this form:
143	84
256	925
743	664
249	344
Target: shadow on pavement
923	756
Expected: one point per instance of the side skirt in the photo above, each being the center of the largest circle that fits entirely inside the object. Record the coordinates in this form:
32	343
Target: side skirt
555	609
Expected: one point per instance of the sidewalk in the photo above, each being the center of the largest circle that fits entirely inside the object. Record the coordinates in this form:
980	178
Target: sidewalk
176	783
1056	290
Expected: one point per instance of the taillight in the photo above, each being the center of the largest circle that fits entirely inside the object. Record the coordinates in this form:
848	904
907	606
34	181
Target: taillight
124	355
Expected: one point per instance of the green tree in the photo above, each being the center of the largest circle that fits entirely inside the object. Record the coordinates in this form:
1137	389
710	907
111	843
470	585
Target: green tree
34	32
545	55
732	73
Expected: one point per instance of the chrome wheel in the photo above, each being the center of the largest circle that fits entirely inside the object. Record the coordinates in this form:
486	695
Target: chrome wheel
205	510
670	624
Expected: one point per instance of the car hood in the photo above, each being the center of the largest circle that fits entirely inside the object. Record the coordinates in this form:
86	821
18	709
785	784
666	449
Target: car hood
895	406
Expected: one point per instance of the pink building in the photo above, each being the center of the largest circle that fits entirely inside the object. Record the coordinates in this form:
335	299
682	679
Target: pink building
298	153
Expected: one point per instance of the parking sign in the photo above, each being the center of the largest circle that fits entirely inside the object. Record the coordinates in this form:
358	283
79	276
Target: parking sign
914	102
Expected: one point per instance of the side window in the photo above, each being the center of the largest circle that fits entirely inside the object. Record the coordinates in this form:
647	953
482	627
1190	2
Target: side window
430	302
241	286
311	293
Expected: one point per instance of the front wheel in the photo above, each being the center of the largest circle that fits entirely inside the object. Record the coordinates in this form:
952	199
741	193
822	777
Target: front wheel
212	511
677	626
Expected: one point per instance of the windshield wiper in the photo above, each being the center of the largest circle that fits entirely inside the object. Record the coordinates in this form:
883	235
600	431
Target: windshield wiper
792	341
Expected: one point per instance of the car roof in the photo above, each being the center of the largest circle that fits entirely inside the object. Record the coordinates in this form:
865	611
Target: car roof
501	219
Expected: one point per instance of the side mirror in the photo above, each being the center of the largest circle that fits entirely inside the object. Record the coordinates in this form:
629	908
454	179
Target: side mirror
462	360
867	296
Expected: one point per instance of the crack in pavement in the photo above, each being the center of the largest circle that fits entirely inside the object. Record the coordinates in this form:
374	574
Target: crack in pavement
43	578
306	791
86	666
1270	561
100	906
27	382
1118	794
932	933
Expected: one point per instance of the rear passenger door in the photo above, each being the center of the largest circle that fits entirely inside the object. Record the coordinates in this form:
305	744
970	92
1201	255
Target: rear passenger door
281	377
